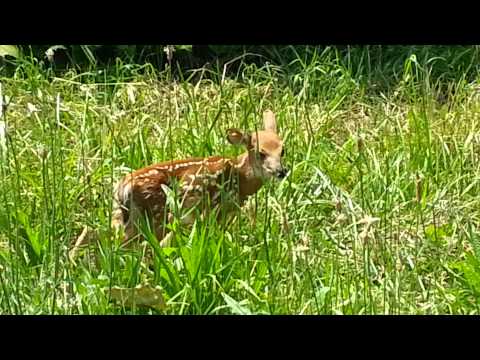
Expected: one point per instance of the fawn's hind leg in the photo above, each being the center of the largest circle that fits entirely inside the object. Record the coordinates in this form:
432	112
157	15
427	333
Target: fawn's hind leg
163	235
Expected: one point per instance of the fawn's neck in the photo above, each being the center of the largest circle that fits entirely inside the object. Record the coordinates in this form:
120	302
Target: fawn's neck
249	183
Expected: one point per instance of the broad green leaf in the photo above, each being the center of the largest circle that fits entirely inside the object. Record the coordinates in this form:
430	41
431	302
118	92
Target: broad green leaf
235	306
184	47
33	235
11	50
471	272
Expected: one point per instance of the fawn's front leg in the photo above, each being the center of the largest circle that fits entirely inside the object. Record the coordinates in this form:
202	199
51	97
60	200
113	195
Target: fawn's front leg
190	202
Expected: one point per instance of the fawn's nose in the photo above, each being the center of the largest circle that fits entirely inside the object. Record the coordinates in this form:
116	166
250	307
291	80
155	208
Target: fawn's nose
282	173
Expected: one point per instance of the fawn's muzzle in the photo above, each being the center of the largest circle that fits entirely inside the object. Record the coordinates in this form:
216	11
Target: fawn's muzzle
282	173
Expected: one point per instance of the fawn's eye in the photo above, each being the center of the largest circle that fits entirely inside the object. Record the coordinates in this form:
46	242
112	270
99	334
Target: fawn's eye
262	156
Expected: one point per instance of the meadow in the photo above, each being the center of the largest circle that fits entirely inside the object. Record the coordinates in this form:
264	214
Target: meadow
379	213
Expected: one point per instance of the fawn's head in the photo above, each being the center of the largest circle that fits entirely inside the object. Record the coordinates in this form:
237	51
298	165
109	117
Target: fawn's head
264	148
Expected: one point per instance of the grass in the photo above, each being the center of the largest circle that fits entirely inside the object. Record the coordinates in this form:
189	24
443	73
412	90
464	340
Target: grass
379	215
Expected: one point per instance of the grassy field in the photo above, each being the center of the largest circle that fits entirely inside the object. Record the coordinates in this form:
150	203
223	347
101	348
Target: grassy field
379	215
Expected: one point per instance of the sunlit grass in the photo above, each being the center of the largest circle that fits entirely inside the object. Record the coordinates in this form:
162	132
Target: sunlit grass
379	214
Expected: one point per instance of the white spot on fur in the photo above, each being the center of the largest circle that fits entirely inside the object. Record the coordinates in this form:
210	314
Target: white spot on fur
152	172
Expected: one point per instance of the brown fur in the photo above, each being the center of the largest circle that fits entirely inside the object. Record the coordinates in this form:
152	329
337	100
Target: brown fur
206	184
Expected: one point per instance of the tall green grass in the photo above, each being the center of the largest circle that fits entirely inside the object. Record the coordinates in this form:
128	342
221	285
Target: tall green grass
379	214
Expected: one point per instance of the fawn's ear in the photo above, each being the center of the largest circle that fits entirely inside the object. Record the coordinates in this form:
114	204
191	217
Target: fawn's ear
269	121
237	137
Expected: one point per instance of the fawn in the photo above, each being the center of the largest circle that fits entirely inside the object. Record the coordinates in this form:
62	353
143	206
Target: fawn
205	184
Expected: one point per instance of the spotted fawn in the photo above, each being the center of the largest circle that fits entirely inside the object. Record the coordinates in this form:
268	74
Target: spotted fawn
214	183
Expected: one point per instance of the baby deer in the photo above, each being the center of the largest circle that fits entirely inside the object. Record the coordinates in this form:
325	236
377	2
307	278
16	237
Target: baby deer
215	183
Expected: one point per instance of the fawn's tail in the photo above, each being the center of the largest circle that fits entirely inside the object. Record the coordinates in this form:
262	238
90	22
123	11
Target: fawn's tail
121	205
